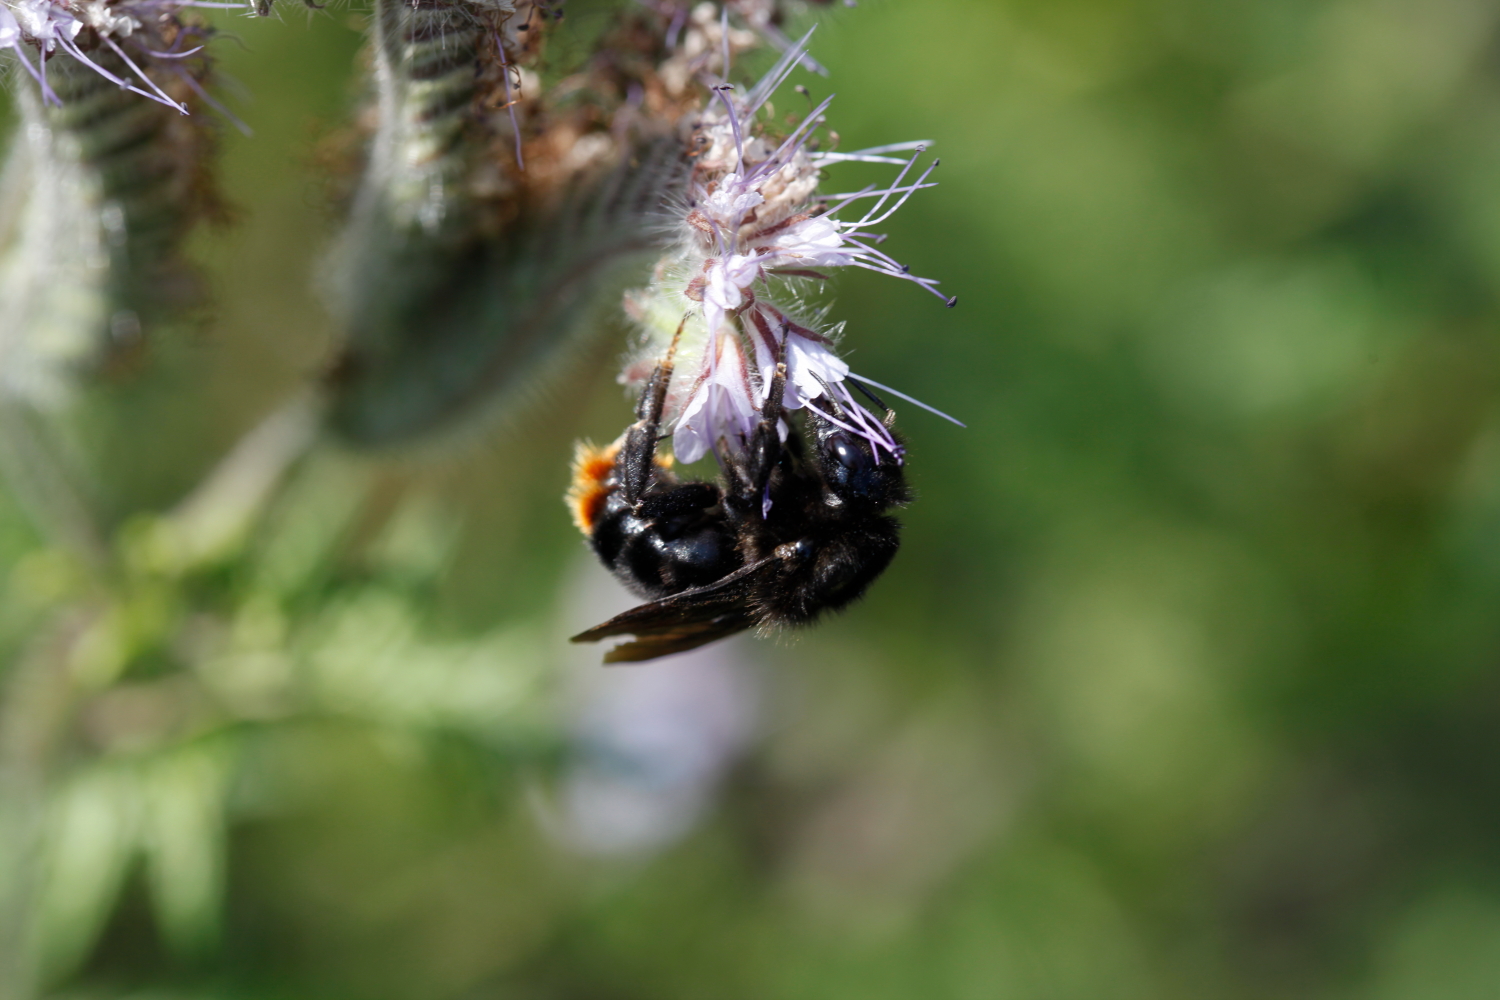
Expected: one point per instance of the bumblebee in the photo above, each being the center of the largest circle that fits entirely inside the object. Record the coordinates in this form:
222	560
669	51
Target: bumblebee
791	529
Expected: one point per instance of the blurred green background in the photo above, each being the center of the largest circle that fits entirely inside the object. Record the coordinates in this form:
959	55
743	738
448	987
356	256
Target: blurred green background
1184	684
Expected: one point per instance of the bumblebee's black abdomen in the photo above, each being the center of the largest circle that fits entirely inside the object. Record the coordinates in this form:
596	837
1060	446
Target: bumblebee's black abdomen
838	570
658	557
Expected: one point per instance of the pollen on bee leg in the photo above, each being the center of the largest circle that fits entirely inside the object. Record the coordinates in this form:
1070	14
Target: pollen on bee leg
592	469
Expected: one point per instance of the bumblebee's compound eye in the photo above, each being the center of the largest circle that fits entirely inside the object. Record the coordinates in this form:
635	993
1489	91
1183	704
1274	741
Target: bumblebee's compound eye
850	452
851	467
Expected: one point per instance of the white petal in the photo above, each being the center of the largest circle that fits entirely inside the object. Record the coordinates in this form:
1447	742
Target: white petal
722	405
10	31
806	358
730	201
690	440
724	290
815	242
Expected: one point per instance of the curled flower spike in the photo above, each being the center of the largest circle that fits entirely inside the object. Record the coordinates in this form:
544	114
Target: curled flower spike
754	221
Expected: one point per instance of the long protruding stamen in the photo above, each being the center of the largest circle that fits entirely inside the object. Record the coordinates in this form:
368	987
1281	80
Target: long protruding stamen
723	93
204	95
896	186
901	395
846	198
141	73
174	55
510	102
41	81
77	53
927	283
795	141
872	154
762	91
785	44
905	192
182	74
724	38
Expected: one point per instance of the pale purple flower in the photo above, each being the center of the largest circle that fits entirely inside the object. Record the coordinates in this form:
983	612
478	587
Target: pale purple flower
726	288
10	31
730	201
804	241
810	361
756	219
722	405
46	23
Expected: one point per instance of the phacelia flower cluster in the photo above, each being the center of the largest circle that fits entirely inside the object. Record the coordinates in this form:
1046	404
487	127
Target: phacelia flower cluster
756	230
117	39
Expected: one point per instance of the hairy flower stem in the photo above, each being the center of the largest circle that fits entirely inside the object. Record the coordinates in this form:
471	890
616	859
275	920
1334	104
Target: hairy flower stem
96	199
503	315
426	55
97	196
412	218
462	280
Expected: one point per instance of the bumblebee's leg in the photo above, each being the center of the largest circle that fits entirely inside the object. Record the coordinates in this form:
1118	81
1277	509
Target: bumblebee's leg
750	482
638	453
682	499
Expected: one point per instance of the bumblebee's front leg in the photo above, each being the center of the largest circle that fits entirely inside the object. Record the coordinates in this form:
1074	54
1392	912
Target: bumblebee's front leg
750	481
637	456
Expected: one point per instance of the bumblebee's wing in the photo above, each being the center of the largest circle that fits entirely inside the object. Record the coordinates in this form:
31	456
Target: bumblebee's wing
683	621
670	638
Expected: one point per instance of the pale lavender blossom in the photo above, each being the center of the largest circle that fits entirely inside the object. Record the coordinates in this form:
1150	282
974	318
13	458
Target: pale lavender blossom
757	219
722	405
805	241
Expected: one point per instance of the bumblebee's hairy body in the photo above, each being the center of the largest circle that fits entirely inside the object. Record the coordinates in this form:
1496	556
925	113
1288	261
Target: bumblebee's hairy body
790	531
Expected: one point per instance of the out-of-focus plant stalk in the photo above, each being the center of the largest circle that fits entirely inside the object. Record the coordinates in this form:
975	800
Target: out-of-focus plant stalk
100	189
39	697
490	223
88	644
412	216
96	198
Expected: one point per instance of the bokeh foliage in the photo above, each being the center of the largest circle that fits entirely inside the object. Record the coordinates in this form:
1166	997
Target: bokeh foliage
1183	685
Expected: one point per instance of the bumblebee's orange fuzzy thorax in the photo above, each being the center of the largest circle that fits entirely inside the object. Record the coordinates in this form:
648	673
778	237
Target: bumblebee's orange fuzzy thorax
593	472
592	469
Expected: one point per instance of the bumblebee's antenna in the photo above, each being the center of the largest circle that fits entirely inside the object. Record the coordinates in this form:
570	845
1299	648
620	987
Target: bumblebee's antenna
838	411
866	390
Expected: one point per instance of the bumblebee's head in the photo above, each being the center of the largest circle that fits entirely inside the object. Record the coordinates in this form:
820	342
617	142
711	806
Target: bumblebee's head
855	470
